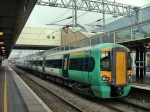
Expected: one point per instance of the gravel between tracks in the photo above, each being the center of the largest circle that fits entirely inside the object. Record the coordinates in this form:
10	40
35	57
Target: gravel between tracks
47	97
83	104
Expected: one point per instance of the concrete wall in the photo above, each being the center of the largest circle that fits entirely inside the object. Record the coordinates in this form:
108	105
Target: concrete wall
38	36
68	36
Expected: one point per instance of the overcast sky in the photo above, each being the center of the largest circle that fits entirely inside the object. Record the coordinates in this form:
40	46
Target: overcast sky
42	15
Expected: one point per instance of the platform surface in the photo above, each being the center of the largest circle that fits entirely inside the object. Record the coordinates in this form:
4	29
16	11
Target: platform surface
141	83
16	96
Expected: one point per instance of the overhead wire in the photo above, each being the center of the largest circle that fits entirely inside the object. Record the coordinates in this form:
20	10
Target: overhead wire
61	27
106	21
51	22
48	25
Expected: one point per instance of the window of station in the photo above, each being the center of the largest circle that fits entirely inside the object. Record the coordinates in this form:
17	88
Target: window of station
86	43
72	46
129	61
66	48
78	45
54	63
140	32
105	61
124	35
108	38
95	40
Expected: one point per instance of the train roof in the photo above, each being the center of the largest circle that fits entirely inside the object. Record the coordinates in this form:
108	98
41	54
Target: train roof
73	50
88	48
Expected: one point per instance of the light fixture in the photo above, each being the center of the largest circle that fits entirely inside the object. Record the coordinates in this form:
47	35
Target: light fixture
3	47
3	50
1	31
1	42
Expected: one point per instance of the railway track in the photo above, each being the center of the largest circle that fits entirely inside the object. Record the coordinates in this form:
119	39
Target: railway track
63	105
139	107
22	74
103	103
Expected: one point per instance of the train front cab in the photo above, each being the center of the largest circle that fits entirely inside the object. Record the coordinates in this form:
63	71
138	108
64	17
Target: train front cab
115	72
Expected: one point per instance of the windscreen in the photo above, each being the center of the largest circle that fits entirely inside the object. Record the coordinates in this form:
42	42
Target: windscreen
129	61
105	61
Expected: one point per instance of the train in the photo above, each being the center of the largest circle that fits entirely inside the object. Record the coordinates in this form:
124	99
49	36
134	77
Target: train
102	70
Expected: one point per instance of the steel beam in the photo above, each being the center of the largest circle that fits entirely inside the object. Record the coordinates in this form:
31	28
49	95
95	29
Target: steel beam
99	6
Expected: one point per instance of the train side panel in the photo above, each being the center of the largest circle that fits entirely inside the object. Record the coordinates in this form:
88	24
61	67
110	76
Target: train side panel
53	68
78	66
75	66
87	71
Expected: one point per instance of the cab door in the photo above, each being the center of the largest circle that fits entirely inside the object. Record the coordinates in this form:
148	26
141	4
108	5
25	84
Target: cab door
119	65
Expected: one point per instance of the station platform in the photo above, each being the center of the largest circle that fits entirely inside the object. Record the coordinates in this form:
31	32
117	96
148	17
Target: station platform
16	96
141	83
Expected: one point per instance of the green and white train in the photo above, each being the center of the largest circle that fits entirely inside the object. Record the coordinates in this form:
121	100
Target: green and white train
102	70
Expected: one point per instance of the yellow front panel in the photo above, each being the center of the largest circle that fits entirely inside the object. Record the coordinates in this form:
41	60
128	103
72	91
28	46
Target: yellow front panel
106	73
120	68
129	72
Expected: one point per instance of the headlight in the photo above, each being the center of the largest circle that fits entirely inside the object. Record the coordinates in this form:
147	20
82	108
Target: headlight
105	78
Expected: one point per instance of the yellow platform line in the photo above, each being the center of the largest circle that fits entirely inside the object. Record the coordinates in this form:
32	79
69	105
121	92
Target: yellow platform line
5	93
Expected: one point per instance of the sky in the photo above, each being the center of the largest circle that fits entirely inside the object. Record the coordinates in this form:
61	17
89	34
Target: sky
42	15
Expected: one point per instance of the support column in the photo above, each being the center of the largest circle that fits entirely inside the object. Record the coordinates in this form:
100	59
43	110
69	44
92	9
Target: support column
141	62
144	61
137	62
75	13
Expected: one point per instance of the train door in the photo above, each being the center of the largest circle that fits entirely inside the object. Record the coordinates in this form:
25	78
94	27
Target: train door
65	66
32	64
36	66
24	63
86	67
43	64
119	65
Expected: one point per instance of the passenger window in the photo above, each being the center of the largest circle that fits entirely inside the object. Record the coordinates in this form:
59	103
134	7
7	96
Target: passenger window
76	64
54	63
